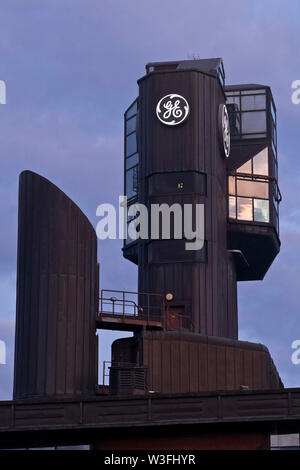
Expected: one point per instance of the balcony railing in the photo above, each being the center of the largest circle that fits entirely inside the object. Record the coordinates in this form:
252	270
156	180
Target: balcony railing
127	305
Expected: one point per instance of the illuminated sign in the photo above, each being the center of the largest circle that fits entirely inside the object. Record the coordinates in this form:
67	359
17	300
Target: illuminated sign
172	109
224	130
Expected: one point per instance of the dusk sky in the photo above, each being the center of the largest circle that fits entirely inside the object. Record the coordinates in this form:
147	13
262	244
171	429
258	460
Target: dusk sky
70	68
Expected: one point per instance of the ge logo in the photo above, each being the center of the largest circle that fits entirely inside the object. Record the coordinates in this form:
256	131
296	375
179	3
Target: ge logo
172	109
224	130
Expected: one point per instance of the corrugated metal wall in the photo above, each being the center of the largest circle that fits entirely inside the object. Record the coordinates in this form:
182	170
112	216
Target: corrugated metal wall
182	362
55	344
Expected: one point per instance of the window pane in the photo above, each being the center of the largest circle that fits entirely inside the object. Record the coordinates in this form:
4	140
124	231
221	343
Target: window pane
274	149
246	168
234	101
273	132
253	136
273	111
132	161
261	210
132	182
131	217
131	144
131	125
252	188
244	208
254	122
260	163
231	184
254	102
132	110
232	207
253	92
234	119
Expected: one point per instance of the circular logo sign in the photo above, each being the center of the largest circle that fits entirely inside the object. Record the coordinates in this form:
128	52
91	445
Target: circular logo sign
224	129
172	109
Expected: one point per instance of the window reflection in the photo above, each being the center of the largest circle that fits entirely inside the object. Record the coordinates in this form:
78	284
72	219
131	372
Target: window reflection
231	184
131	182
253	102
245	168
244	208
232	207
132	161
132	110
261	210
247	113
131	125
131	153
252	188
249	190
131	144
260	163
254	122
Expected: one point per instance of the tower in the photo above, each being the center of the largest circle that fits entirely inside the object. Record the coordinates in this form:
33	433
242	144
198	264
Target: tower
177	151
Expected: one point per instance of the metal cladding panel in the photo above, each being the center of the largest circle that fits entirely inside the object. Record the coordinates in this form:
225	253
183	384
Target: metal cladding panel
206	284
55	344
180	362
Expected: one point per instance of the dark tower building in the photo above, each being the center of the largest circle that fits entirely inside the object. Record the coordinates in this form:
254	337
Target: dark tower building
177	151
201	183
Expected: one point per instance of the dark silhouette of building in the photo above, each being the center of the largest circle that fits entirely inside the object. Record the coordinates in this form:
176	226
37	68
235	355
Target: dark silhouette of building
184	379
197	347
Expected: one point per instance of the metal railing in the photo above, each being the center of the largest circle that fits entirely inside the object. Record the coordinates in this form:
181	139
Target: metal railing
108	364
132	305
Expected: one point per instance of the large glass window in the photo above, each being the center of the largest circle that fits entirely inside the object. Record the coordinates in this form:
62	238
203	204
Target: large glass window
131	153
247	113
249	189
131	161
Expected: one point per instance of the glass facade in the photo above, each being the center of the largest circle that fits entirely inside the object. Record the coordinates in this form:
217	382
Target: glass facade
247	111
131	159
253	190
249	190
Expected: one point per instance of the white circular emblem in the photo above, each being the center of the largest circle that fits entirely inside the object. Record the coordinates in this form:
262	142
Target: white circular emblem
172	109
224	130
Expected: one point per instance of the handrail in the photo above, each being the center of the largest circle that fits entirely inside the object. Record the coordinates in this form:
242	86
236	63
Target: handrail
251	177
120	305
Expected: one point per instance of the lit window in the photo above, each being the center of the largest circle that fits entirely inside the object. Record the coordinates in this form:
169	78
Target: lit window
260	163
244	208
252	188
246	168
232	207
231	184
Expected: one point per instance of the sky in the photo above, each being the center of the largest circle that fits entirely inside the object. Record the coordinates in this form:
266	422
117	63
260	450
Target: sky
70	68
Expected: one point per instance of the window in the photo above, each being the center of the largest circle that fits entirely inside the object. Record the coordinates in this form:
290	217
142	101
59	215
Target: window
131	160
247	111
131	152
249	190
132	182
